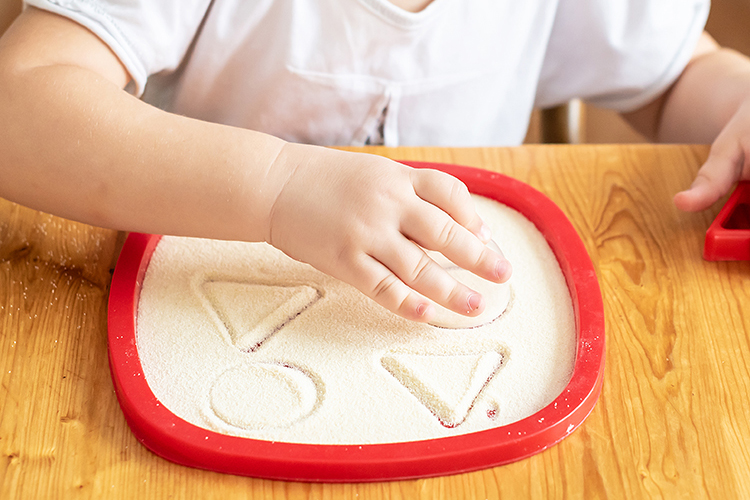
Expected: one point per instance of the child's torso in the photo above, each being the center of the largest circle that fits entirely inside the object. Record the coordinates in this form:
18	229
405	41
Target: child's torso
351	72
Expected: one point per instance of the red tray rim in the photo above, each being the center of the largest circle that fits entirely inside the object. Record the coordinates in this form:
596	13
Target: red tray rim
728	244
176	440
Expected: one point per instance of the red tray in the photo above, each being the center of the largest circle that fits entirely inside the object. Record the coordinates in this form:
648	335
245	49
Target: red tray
179	441
728	237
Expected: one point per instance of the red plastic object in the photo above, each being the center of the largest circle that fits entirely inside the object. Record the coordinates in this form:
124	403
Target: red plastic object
728	237
177	440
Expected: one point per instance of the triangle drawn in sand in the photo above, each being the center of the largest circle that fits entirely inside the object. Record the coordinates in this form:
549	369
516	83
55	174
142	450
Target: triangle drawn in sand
448	385
252	312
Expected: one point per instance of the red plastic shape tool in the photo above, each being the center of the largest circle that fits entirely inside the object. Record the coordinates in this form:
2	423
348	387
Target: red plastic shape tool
728	237
179	441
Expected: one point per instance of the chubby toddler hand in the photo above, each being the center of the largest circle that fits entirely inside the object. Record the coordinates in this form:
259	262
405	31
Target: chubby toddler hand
365	220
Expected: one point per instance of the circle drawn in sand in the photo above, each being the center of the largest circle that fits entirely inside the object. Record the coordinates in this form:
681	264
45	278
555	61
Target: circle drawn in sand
262	395
497	295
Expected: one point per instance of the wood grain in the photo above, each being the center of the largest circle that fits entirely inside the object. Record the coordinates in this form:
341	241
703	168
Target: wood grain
671	421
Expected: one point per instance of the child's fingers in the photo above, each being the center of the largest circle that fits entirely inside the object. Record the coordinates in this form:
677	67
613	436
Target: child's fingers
412	266
727	163
380	284
715	178
434	230
703	193
450	195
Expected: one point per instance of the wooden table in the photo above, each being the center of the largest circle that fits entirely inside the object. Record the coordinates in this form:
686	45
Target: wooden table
672	420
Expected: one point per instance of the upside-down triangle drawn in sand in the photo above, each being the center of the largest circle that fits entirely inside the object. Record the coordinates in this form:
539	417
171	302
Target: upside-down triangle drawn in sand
253	312
447	384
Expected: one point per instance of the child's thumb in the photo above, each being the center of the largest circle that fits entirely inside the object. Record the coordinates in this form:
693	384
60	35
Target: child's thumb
714	179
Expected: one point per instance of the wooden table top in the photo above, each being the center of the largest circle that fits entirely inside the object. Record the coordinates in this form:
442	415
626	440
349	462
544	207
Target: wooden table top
672	420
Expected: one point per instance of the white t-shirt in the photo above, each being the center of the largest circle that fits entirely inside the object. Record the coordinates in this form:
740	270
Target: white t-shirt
350	72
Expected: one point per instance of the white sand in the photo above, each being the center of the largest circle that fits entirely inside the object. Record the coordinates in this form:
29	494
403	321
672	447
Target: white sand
240	339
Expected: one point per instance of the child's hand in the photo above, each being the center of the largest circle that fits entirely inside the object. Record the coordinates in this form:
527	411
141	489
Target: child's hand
727	163
362	219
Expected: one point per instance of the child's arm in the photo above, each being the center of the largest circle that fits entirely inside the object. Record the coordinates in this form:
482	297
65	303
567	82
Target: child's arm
73	143
709	103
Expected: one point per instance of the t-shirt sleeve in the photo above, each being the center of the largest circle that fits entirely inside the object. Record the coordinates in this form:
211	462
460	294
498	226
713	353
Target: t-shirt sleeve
148	36
618	54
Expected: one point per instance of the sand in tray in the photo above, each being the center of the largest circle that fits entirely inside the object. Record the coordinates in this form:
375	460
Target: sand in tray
240	339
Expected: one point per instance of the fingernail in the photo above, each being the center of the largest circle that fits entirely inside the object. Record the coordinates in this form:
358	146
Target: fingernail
502	269
474	300
422	309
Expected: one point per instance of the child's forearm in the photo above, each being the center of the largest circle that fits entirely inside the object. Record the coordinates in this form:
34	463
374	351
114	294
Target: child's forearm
701	102
710	91
73	144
